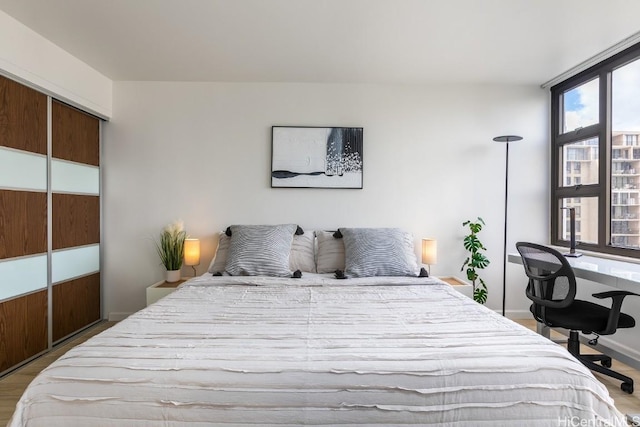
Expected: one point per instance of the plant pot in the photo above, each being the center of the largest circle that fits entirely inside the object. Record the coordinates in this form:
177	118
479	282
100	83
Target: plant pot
172	276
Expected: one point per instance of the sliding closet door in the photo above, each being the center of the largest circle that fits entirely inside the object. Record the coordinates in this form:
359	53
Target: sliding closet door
23	223
75	185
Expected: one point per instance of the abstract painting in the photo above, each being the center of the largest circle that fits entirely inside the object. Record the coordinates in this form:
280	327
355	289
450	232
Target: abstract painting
316	157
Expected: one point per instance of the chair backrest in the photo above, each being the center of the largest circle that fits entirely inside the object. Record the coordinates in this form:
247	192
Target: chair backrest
552	282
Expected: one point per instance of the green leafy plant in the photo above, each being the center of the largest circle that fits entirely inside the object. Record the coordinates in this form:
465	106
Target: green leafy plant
171	245
476	260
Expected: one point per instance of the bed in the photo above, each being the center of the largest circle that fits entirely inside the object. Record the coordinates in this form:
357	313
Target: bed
316	350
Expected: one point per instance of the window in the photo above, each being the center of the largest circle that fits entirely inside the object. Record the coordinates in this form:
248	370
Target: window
581	162
580	106
596	156
586	219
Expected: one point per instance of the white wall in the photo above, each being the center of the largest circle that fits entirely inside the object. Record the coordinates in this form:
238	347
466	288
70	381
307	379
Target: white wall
27	57
201	152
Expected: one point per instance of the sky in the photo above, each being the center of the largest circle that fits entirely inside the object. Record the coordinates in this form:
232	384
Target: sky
581	103
626	97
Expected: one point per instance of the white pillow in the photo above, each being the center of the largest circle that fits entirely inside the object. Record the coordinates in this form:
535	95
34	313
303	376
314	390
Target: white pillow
379	252
330	256
219	261
260	250
302	255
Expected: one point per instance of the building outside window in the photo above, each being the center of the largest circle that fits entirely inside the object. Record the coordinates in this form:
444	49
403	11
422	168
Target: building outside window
595	156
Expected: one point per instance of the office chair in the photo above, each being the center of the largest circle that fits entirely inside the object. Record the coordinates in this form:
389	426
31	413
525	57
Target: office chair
552	288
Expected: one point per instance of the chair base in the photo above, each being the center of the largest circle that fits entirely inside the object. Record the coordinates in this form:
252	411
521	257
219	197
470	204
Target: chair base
589	360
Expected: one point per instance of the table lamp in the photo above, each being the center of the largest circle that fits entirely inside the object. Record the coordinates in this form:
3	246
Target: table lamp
192	253
429	253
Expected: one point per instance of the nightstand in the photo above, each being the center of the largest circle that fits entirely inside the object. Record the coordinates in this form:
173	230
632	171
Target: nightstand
459	285
161	289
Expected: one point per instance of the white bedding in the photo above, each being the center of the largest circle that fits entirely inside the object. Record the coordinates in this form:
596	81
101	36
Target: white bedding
316	351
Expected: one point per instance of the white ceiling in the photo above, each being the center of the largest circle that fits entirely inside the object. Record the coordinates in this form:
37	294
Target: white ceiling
343	41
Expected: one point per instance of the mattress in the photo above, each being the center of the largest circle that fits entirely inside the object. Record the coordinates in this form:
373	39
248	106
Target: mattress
249	351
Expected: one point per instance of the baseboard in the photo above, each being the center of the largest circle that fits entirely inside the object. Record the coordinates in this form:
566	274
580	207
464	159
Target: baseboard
518	314
116	317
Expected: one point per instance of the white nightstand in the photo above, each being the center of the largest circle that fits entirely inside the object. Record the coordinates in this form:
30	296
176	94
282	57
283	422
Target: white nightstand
459	285
162	289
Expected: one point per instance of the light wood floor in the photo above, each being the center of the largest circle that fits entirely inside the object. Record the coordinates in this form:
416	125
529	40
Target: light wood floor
13	385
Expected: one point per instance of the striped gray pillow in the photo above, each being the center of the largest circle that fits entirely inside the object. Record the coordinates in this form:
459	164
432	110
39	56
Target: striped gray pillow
379	252
260	250
302	256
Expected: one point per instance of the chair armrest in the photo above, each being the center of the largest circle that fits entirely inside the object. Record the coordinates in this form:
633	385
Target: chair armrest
611	294
616	305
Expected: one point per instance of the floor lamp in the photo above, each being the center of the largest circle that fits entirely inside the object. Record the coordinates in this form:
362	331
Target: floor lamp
507	139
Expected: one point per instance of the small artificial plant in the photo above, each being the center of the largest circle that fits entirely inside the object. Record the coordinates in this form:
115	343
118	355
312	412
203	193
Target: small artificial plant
171	245
476	260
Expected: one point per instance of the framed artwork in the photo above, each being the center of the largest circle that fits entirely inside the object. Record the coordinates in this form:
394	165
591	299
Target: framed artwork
316	157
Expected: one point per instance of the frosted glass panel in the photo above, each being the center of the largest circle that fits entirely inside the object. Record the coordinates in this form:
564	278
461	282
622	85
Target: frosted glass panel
22	275
70	263
21	170
69	177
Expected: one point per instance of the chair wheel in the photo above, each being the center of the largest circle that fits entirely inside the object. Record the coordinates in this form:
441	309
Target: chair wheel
606	362
627	387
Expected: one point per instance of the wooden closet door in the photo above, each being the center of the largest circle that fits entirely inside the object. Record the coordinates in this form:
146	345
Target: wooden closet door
23	224
75	182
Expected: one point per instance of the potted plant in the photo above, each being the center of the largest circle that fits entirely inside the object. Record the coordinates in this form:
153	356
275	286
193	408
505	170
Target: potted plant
171	249
476	259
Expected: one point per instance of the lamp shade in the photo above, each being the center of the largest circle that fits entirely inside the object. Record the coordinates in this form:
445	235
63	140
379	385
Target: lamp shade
191	251
429	251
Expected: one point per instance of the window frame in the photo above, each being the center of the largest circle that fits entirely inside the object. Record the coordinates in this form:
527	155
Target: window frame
602	130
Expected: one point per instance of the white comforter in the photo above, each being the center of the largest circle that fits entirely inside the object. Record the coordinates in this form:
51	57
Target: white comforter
320	351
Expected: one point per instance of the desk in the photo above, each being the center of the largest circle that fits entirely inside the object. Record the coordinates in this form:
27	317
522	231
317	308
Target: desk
610	272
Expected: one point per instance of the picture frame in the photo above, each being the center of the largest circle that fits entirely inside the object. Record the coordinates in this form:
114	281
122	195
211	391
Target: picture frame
316	157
